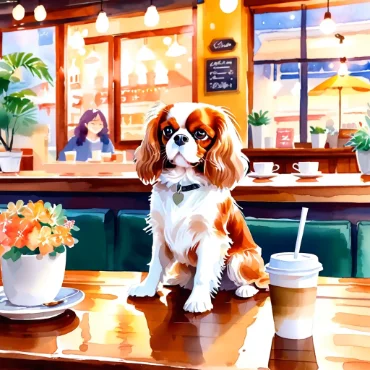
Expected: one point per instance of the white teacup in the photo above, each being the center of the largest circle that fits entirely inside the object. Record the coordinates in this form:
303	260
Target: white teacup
96	155
265	168
306	167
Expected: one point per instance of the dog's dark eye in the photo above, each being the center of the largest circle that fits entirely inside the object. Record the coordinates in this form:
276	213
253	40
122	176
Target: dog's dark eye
168	132
200	135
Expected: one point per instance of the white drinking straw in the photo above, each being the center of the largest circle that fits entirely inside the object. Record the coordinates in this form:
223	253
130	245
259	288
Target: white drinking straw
302	223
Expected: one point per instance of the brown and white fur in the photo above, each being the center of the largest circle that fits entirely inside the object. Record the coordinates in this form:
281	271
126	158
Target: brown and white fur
194	241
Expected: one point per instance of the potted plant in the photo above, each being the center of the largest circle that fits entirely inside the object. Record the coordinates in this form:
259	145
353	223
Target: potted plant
318	137
360	141
258	122
18	113
34	238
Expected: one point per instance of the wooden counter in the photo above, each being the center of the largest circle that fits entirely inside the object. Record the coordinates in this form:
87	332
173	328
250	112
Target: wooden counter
340	160
345	188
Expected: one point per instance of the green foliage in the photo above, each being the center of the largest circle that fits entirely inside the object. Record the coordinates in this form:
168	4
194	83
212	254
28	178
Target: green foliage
258	119
360	140
317	130
18	113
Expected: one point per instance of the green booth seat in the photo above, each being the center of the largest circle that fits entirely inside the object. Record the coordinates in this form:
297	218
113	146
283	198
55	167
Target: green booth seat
133	245
363	250
95	248
330	241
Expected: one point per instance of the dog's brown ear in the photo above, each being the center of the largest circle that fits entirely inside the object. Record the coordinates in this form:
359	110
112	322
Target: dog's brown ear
148	156
225	163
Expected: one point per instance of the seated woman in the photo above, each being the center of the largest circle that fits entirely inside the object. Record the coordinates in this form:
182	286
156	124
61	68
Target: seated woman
90	134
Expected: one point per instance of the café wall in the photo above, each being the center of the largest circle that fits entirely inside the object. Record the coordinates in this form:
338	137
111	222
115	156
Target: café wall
212	23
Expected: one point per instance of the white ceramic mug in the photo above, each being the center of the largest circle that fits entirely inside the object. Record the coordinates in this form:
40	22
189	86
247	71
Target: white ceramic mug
306	167
265	168
96	155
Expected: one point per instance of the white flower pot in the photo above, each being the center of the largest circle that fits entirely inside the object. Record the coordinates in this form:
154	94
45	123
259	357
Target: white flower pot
10	161
318	140
32	280
363	160
258	136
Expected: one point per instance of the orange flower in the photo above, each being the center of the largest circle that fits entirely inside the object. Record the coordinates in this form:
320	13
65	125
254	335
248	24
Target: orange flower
17	232
41	237
62	236
37	212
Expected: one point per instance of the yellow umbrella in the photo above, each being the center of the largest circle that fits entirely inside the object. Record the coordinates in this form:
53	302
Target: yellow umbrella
339	85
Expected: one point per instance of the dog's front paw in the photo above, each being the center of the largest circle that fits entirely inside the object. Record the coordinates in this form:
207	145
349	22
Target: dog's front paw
142	290
246	291
198	302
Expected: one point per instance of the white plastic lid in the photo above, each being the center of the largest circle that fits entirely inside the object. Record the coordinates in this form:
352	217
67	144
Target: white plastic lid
286	264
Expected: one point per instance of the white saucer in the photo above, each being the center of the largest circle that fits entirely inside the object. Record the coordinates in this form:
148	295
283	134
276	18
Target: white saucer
71	296
308	175
254	175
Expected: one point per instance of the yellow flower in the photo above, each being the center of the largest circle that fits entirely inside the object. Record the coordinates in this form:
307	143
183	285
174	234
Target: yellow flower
62	236
43	238
37	212
15	208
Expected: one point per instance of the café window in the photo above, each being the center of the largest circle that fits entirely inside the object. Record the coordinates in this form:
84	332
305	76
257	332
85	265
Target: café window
41	43
282	67
126	71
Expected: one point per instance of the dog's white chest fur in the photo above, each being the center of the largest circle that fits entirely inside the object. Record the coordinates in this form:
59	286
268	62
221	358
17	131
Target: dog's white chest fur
186	223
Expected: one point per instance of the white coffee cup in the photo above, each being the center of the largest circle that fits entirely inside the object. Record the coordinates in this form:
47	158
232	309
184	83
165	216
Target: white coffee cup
96	155
306	167
70	156
293	290
265	168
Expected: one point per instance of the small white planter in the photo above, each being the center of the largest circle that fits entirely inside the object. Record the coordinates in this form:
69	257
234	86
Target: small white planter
32	280
258	136
318	140
10	161
363	160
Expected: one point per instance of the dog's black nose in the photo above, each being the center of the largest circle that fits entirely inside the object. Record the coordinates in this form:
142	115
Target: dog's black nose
180	140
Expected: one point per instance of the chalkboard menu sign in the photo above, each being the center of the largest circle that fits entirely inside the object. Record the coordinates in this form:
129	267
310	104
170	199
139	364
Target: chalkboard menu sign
221	75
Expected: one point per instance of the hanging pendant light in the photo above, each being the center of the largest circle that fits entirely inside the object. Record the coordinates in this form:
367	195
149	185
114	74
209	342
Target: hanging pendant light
102	22
151	18
327	26
176	50
18	12
228	6
40	12
145	53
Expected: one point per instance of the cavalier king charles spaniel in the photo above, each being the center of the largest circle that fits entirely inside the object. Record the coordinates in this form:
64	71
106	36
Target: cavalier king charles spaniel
192	154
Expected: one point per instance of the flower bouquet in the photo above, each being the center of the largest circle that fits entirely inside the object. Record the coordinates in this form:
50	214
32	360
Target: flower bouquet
33	241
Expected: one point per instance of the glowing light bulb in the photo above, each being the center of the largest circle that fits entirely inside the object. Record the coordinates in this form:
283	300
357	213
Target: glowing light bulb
18	12
40	13
151	18
328	26
102	22
228	6
82	51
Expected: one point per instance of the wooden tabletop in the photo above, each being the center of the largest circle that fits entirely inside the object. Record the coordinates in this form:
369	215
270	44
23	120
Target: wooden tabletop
109	329
330	188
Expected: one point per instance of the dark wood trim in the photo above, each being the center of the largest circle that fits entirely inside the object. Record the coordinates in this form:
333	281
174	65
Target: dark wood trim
117	93
194	56
250	56
308	60
157	32
61	114
270	6
128	144
303	106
